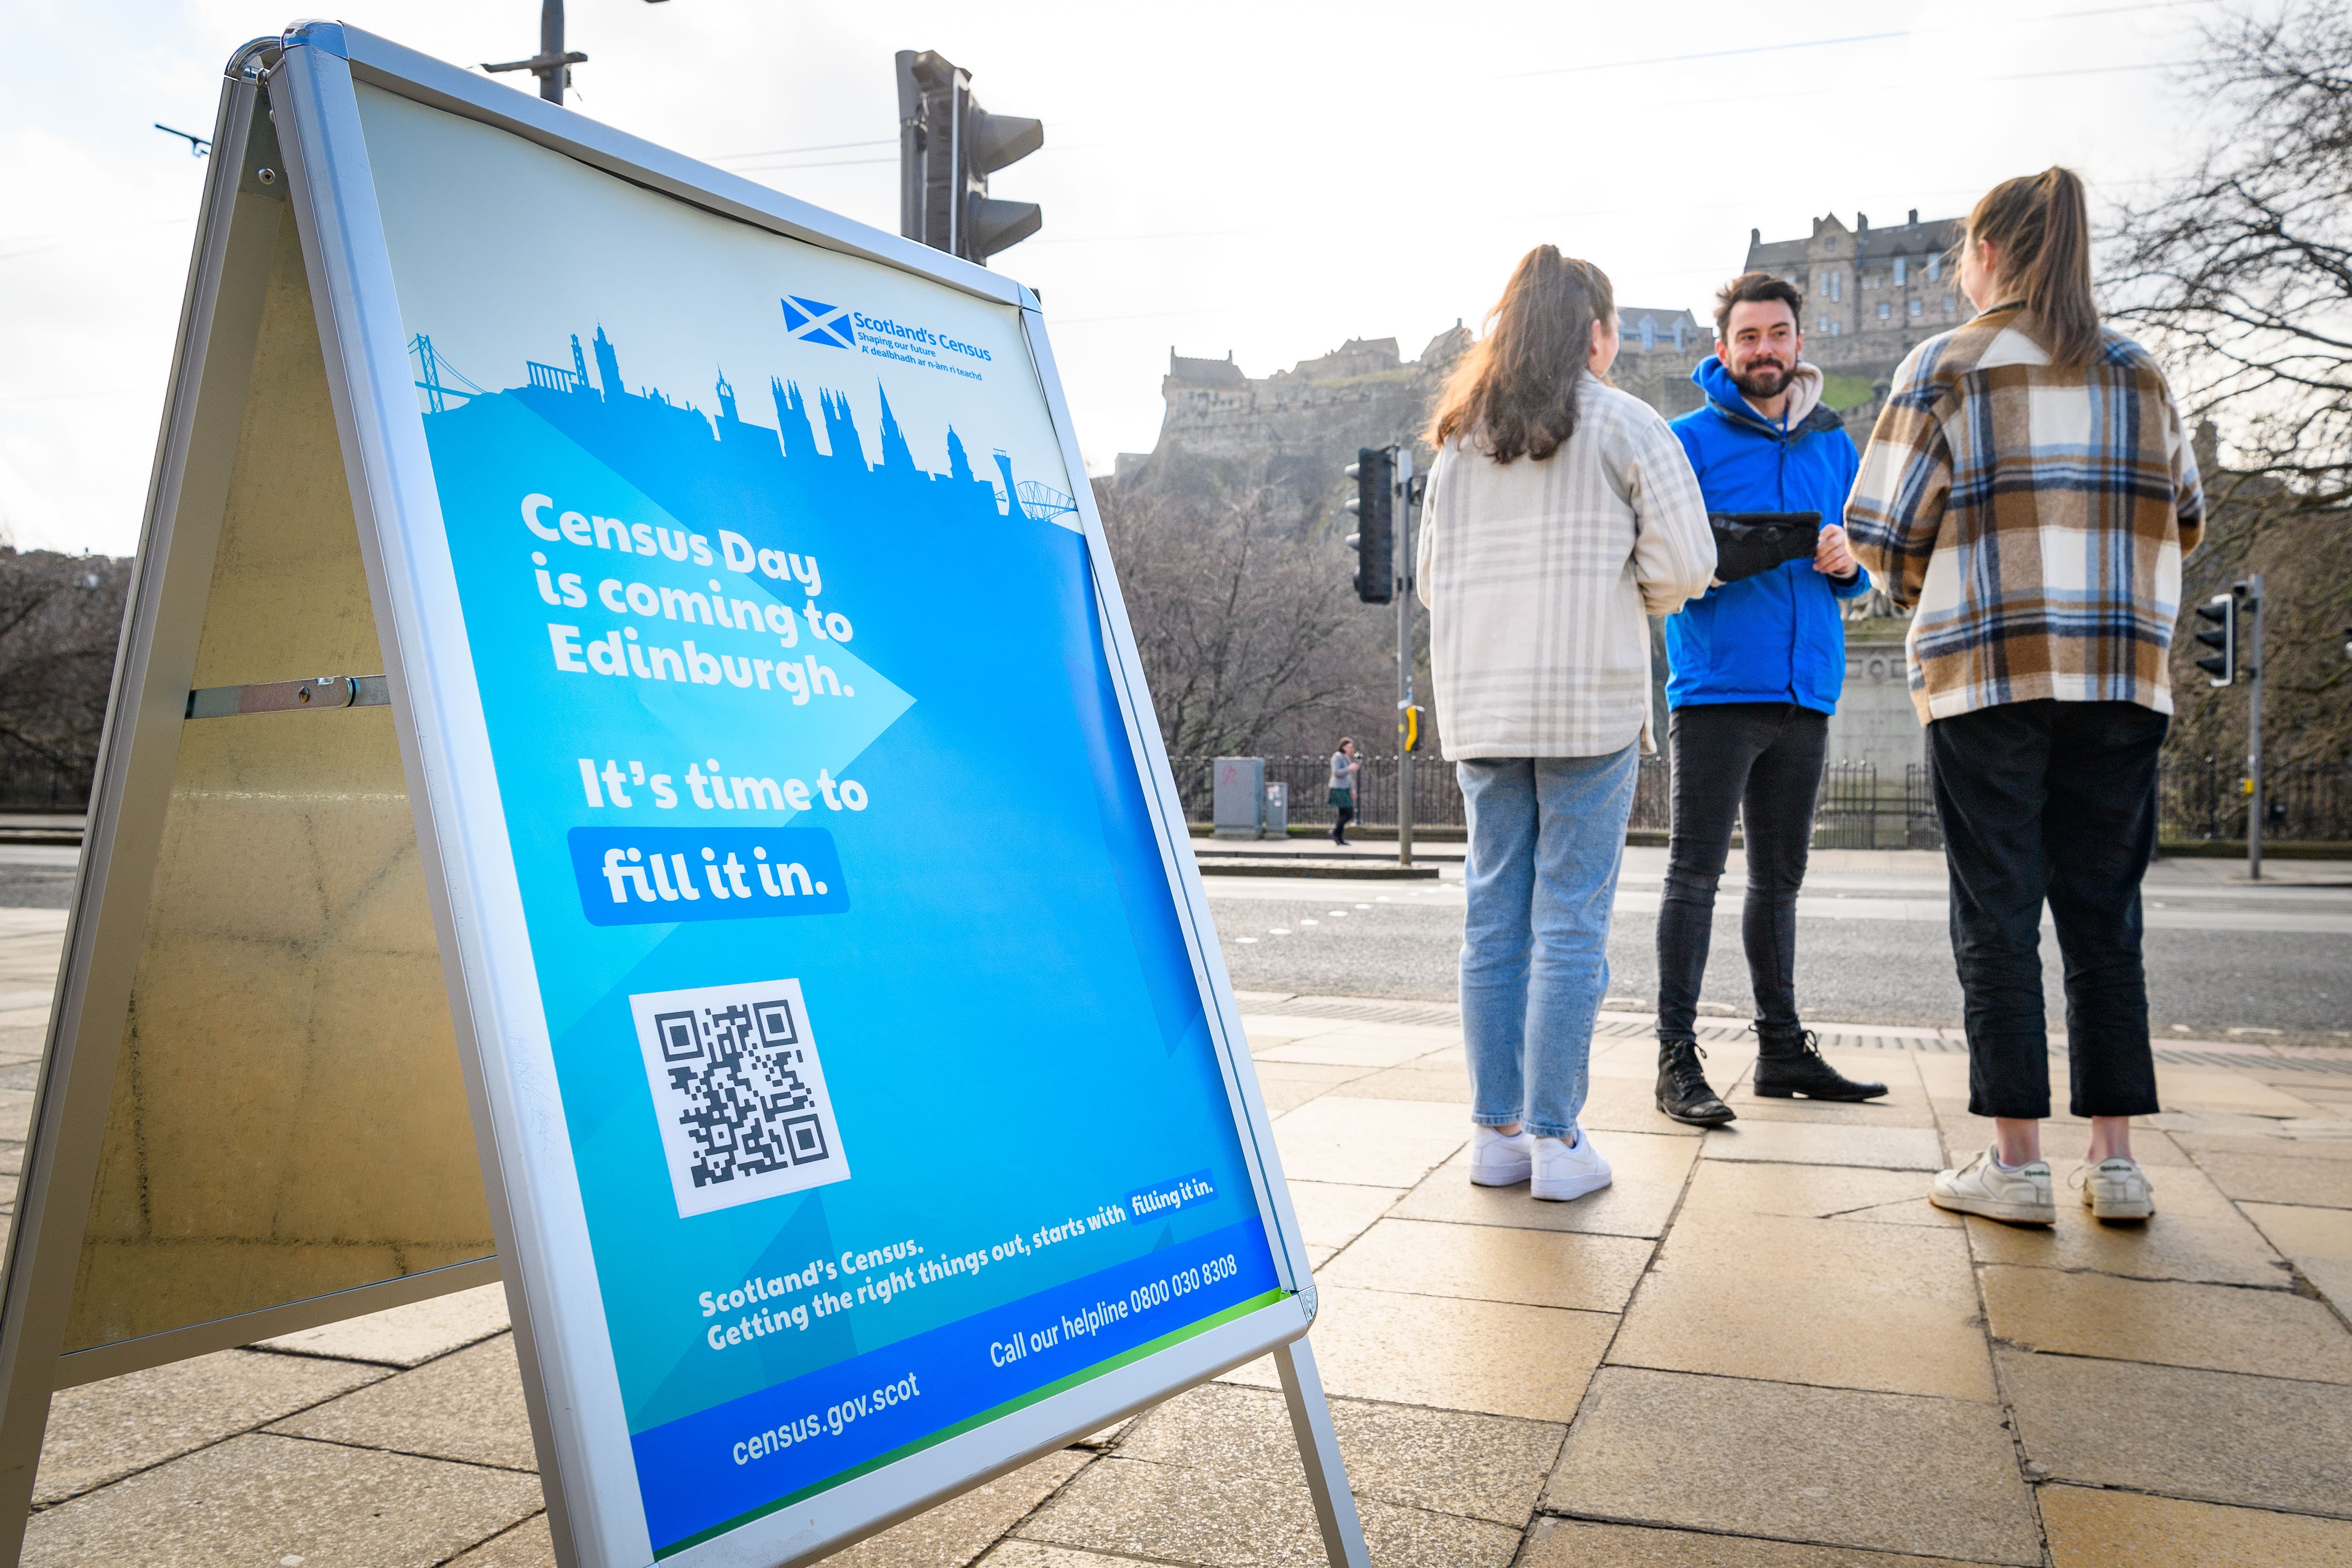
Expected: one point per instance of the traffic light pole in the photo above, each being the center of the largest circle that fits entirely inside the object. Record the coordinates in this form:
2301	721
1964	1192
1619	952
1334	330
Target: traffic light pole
2254	737
1402	490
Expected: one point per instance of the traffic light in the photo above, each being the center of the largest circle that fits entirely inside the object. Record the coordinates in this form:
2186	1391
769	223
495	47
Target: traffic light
1374	509
947	147
2221	612
1411	725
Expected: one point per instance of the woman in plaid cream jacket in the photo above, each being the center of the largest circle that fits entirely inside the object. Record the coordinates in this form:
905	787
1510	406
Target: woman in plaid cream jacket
2028	492
1559	509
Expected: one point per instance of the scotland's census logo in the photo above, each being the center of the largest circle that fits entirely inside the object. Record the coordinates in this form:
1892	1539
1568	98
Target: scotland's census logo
815	323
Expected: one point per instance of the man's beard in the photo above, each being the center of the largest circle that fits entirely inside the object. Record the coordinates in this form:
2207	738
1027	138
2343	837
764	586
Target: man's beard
1763	379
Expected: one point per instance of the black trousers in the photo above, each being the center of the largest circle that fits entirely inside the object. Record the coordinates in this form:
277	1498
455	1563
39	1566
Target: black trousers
1760	763
2050	800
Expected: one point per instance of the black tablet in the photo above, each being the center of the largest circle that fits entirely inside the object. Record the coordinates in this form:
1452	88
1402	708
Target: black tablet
1746	543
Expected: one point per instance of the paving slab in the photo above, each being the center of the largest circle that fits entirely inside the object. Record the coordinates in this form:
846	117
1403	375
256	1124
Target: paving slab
2196	1234
1824	1144
2181	1087
1478	1467
1492	1357
1280	1096
259	1500
1332	1213
2222	1328
2269	1142
468	1406
527	1545
1277	1028
2123	1530
1628	1105
1435	1085
1853	1193
1307	1073
959	1530
1487	1263
1017	1554
1345	1051
405	1336
2332	1279
1831	1466
2217	1437
1649	1171
1174	1513
2318	1183
1574	1543
103	1432
1889	1308
1369	1143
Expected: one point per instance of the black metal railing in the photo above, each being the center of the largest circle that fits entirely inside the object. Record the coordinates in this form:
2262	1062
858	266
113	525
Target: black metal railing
38	784
2196	799
1853	816
2206	798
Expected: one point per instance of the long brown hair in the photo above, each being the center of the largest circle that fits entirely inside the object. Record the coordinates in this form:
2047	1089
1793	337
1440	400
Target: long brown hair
1515	392
2041	225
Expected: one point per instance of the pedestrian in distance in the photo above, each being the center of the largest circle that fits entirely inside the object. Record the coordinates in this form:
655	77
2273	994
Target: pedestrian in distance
1345	767
1559	512
1756	667
2030	490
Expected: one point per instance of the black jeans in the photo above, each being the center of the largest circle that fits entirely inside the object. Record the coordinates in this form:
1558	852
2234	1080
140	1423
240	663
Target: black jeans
2050	800
1760	762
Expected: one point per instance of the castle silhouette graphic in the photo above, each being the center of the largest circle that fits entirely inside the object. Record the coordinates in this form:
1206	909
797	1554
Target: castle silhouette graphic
725	456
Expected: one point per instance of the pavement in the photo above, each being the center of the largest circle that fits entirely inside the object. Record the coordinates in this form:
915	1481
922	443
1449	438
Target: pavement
1759	1347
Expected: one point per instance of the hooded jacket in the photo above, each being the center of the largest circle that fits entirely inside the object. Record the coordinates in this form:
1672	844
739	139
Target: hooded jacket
1778	636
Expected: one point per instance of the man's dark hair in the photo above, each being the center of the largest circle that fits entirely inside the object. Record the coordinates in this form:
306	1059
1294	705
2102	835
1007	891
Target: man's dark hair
1755	288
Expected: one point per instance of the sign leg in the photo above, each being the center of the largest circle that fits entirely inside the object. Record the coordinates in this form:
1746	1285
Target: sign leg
1318	1449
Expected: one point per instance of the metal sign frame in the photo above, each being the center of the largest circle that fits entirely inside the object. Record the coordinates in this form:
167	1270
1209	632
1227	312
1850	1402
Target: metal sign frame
308	79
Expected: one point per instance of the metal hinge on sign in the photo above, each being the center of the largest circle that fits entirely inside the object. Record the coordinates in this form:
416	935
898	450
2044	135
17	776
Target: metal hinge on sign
289	697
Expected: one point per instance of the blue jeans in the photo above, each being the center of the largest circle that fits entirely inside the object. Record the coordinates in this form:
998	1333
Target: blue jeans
1546	836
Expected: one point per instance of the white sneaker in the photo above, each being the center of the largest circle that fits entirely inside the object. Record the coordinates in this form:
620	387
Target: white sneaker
1564	1170
2116	1188
2021	1197
1498	1160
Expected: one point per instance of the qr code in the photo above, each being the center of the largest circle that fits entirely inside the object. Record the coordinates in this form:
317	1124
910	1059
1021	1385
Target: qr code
738	1093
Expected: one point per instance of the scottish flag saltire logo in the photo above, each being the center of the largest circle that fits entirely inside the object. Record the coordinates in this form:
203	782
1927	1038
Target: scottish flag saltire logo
815	323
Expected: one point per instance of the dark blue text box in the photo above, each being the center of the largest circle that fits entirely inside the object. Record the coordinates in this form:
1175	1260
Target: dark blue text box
643	876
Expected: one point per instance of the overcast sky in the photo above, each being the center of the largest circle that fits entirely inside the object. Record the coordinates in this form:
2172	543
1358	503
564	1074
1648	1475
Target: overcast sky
1263	178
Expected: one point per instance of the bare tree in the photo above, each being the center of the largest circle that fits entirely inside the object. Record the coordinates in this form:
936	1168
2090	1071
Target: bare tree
2241	273
1250	636
60	618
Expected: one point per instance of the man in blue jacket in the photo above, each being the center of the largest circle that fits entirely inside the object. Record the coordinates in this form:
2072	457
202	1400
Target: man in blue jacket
1757	665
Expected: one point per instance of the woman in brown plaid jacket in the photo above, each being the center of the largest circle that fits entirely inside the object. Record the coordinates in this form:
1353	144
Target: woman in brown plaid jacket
2028	492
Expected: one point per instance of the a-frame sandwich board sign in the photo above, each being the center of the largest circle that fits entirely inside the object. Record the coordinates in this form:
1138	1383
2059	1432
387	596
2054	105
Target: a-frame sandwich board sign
748	818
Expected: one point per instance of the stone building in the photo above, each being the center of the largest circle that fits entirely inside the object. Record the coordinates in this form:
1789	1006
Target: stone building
1294	431
1870	294
1297	430
1657	350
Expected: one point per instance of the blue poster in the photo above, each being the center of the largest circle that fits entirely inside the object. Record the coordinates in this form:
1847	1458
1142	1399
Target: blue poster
890	1088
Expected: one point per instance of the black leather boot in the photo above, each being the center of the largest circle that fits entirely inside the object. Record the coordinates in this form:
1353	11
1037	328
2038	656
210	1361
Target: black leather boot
1683	1092
1788	1062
